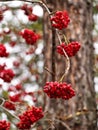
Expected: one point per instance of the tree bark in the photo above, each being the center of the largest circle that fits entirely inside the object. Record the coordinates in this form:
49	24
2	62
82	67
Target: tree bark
81	108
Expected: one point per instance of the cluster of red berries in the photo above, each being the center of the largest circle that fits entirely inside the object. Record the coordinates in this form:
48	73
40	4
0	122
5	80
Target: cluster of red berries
9	105
29	36
28	11
6	74
15	97
4	125
3	52
18	93
29	117
71	49
59	90
60	20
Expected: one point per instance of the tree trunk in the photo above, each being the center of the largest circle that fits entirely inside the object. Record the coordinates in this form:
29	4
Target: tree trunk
79	113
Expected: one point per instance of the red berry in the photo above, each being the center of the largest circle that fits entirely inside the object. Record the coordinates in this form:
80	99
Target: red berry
3	52
32	17
27	9
12	43
18	87
16	63
2	67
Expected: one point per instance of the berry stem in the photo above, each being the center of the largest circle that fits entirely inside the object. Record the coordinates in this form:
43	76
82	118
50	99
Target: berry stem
1	101
66	40
49	71
68	66
58	37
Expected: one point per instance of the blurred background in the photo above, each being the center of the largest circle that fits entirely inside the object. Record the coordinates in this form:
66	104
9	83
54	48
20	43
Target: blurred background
29	61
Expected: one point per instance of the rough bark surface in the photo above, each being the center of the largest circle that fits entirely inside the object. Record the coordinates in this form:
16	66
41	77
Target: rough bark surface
81	74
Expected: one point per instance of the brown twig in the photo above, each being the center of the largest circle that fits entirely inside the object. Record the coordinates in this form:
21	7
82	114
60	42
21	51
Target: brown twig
63	123
49	71
68	66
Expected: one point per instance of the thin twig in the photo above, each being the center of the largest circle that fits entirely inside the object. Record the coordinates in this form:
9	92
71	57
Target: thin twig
2	99
78	113
66	40
68	66
58	36
49	71
13	115
53	54
63	123
1	106
57	120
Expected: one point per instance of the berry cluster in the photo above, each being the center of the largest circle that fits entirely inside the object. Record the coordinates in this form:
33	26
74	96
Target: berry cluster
4	125
15	97
29	36
71	49
59	90
29	117
6	74
28	11
9	105
60	20
3	52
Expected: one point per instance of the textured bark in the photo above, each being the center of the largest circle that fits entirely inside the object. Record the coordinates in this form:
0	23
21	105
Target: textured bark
81	74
